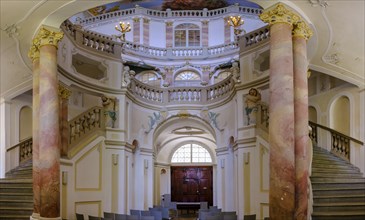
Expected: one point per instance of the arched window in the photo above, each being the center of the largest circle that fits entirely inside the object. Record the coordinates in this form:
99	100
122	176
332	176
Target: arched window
149	78
187	75
187	35
221	76
191	153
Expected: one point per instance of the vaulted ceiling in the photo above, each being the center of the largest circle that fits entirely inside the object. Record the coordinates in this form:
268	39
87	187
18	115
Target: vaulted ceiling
337	47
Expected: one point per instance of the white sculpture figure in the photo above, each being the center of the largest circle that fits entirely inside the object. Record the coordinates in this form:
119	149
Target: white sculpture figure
127	75
109	111
235	72
252	99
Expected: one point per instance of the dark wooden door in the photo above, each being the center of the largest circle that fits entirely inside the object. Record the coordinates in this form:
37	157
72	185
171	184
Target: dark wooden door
192	184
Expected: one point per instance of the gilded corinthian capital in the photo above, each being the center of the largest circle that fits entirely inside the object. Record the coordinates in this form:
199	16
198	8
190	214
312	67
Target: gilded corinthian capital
279	14
301	29
46	37
63	92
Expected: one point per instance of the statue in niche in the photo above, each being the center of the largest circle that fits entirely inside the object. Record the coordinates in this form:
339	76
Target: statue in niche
127	75
252	99
235	70
109	105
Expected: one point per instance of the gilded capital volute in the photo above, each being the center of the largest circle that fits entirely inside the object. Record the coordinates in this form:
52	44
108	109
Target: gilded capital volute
63	92
301	29
169	23
33	52
46	37
279	14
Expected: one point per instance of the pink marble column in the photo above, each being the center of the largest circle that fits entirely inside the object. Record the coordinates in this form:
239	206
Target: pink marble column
49	149
136	30
169	34
34	55
64	94
227	31
281	124
146	32
301	33
205	33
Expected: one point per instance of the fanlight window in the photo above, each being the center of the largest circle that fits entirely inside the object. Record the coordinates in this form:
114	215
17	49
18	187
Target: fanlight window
187	75
221	76
191	153
187	35
149	78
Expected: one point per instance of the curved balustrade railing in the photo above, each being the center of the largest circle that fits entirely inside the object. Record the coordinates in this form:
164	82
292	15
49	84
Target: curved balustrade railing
140	11
182	95
106	45
85	124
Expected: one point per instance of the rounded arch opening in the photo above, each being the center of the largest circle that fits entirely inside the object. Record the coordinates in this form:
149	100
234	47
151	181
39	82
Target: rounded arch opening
340	115
25	123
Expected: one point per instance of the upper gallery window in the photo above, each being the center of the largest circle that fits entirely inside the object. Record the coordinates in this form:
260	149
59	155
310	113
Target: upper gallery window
149	78
187	35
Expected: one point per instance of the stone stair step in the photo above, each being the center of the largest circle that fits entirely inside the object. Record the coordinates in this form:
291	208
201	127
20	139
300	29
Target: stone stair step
9	189
15	217
343	175
331	166
331	170
358	215
16	196
16	203
343	207
337	180
338	198
338	185
353	191
6	210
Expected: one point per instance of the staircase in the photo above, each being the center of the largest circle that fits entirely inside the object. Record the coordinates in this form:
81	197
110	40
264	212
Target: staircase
16	193
338	188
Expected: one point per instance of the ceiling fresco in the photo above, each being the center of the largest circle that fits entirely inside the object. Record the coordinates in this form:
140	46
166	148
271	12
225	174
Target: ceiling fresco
173	4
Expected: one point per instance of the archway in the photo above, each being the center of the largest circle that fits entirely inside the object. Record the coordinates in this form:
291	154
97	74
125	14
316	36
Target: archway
340	115
25	123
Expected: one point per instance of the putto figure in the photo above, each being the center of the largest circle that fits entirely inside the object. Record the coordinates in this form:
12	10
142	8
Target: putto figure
252	99
109	111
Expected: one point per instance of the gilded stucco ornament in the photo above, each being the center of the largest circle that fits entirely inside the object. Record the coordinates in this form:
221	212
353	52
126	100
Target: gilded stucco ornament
279	14
63	92
47	37
33	52
301	29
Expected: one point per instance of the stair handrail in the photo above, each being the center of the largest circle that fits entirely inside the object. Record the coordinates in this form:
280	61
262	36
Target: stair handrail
340	142
86	123
25	149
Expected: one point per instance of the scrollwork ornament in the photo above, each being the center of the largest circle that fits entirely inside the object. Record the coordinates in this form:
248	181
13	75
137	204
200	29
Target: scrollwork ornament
33	52
47	37
279	14
301	29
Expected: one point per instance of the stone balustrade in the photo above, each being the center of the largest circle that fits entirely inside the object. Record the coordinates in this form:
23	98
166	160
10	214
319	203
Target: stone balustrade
169	14
182	95
85	124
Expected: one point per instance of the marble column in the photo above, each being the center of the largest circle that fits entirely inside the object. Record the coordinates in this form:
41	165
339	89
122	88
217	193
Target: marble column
281	124
169	34
301	33
146	32
63	94
227	31
205	33
136	30
34	56
49	149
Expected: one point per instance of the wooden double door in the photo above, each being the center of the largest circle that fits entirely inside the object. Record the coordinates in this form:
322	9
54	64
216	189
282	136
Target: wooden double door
192	184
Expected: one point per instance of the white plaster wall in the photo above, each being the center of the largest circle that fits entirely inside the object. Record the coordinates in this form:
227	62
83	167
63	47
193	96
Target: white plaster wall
215	32
157	34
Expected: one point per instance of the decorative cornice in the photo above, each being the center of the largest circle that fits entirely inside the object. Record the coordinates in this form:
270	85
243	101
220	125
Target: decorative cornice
46	37
301	29
63	92
279	14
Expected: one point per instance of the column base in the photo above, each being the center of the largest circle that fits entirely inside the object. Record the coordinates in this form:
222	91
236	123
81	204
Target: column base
35	216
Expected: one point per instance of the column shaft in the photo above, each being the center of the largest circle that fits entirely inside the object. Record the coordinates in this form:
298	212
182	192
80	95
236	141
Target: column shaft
36	179
281	125
49	149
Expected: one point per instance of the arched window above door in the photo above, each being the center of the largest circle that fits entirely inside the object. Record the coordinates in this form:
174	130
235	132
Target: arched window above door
191	153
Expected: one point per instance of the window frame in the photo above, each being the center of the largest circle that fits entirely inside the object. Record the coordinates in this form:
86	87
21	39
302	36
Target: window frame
193	146
187	28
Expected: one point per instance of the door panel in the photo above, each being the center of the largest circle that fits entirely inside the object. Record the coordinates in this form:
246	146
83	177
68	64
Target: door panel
192	184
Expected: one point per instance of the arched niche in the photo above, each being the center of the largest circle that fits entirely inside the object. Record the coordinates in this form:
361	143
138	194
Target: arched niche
25	123
312	114
340	115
